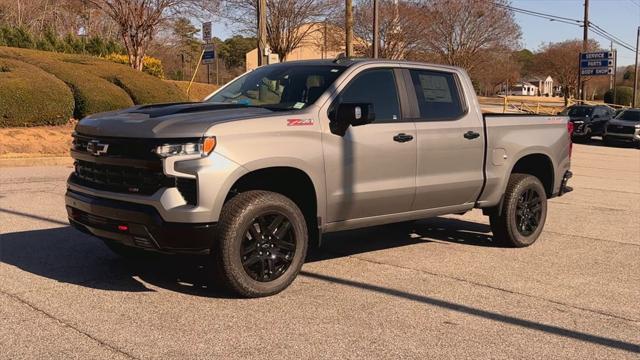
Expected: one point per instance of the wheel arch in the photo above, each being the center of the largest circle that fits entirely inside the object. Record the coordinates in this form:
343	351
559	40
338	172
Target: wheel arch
290	181
537	164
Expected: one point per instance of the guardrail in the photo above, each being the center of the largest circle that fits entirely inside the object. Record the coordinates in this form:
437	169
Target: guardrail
546	108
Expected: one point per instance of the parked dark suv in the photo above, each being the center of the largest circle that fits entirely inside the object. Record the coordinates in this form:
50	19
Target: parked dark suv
624	128
588	120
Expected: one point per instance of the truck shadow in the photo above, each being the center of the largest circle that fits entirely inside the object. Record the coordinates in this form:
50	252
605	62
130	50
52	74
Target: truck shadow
66	255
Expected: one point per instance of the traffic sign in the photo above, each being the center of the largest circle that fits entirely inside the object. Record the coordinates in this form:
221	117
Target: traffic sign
596	71
600	55
597	63
209	54
206	32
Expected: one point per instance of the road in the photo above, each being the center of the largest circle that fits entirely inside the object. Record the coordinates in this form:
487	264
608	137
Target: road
437	288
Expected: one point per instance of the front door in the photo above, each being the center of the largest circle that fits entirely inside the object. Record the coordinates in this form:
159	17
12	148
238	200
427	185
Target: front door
371	170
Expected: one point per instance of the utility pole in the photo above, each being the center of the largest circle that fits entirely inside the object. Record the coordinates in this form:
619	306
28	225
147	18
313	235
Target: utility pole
585	43
262	32
635	75
376	30
348	26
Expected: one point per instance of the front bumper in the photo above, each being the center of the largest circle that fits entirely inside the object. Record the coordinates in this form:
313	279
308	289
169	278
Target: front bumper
635	137
136	225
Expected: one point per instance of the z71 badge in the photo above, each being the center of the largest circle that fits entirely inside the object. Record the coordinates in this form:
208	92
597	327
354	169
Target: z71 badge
299	122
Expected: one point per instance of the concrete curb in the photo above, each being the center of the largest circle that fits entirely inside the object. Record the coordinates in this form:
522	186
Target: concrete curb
36	161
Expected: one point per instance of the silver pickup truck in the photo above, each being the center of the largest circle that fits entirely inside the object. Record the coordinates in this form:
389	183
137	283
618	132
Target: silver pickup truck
288	152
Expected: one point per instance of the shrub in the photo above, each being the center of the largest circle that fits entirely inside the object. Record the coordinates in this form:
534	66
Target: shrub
150	65
198	91
91	93
30	96
98	85
624	96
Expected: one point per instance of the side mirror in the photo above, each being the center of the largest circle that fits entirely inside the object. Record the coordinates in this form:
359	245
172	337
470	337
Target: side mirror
351	114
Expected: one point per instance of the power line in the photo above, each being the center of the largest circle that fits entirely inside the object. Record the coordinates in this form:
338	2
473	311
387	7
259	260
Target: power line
615	38
538	13
593	27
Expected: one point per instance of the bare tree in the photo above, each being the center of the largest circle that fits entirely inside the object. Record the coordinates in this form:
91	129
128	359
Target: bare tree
401	28
560	60
456	31
289	22
495	68
139	20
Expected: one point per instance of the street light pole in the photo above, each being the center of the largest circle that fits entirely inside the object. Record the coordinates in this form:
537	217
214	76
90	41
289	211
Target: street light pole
262	31
635	75
376	30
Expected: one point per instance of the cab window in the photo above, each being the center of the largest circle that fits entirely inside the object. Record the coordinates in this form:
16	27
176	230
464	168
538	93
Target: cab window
377	87
438	95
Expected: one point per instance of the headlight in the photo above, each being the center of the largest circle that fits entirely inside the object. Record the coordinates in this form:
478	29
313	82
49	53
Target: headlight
204	147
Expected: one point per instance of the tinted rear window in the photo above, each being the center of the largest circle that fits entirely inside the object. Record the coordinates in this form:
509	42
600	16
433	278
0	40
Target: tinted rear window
579	111
631	115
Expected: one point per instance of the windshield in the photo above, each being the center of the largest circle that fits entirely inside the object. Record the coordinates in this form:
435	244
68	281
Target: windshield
280	87
580	111
630	115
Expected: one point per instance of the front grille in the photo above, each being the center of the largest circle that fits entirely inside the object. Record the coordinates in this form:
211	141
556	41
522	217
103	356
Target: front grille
617	129
125	148
121	179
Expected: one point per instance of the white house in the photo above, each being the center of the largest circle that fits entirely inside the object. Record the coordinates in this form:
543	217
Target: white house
523	88
544	85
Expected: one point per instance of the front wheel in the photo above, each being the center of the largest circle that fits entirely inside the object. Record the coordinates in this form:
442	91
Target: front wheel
261	245
524	211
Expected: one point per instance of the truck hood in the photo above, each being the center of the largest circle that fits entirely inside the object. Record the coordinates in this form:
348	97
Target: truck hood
177	120
619	122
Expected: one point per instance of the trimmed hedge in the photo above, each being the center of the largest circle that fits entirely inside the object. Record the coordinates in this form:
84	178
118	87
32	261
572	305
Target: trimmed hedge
198	90
98	85
624	96
30	96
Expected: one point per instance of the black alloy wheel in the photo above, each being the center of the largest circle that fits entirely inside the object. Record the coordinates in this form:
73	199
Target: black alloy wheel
268	247
528	211
261	243
519	220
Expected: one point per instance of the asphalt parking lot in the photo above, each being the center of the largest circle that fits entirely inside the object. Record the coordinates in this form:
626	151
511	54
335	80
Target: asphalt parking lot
438	288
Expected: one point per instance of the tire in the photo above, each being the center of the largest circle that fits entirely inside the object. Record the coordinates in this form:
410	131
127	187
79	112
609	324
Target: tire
508	227
607	141
256	253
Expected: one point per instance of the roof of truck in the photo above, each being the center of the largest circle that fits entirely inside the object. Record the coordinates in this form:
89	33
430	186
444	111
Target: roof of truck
347	62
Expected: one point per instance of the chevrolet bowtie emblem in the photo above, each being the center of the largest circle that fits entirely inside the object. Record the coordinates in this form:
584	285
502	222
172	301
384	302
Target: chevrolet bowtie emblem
96	148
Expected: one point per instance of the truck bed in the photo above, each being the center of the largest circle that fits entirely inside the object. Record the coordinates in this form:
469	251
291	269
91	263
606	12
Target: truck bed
510	138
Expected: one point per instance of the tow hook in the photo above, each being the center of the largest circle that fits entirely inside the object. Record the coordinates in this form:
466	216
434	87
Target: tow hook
563	186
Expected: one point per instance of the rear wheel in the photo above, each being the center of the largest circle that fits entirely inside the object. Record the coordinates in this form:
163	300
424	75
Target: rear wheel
261	245
524	211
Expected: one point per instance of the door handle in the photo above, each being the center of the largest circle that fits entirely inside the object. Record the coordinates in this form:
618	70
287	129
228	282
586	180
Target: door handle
471	135
402	137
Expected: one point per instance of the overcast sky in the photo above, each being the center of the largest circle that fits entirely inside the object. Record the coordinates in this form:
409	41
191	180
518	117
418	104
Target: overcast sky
619	17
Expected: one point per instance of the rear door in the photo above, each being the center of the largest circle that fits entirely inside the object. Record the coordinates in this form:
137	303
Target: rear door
369	171
450	139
